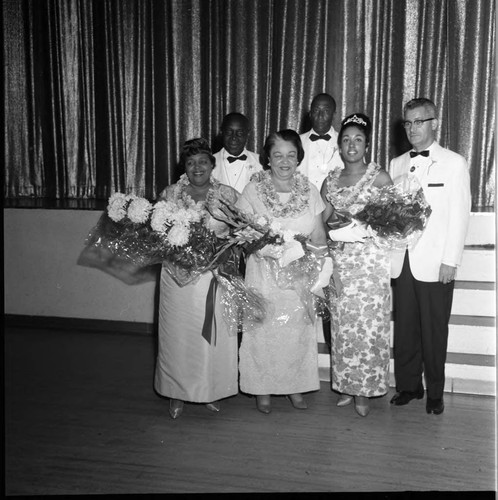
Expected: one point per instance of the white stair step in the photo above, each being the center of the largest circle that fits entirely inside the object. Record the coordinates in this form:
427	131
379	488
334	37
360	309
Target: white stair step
474	302
482	229
478	264
472	339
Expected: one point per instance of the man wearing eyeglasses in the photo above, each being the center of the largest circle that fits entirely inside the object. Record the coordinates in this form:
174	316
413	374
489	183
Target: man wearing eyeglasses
423	275
234	163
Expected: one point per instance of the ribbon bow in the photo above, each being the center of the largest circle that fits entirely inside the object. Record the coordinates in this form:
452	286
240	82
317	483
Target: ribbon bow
231	159
421	153
314	137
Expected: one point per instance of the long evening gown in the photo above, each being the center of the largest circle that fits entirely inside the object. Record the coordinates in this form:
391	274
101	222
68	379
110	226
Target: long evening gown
280	355
189	367
360	317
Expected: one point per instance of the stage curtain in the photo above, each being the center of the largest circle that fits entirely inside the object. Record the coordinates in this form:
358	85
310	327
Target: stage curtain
99	95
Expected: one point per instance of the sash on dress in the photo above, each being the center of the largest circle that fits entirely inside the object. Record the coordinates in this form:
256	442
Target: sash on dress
209	326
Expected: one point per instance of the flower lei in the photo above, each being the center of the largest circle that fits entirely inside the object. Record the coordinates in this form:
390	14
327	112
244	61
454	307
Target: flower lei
180	193
298	201
344	202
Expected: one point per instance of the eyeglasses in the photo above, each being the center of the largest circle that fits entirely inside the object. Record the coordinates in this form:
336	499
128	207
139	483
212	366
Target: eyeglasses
415	123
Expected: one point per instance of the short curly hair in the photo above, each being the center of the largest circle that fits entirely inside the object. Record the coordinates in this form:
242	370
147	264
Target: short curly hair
286	135
194	147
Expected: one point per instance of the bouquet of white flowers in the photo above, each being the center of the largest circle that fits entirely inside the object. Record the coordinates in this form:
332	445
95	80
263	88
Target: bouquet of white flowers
138	234
133	235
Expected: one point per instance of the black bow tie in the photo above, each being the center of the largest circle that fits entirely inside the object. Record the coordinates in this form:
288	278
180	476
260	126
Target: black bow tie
231	159
314	137
416	153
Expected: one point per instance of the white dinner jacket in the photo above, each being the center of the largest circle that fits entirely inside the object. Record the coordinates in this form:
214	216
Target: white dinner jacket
316	166
236	174
445	180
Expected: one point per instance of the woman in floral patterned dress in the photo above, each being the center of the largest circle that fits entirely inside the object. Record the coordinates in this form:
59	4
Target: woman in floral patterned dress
360	315
190	367
280	356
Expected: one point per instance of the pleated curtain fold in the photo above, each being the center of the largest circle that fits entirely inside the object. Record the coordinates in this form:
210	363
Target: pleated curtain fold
99	95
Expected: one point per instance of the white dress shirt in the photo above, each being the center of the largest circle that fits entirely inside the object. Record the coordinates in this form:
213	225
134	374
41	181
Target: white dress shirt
238	173
444	177
320	157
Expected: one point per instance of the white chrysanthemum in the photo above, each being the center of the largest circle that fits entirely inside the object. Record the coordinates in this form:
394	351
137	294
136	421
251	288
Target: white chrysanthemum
116	207
178	235
116	213
162	215
168	207
159	220
139	210
183	216
117	198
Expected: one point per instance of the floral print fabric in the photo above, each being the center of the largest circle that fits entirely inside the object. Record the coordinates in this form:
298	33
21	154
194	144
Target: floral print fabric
360	317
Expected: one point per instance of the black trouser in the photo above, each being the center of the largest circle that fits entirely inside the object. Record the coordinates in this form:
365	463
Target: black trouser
421	316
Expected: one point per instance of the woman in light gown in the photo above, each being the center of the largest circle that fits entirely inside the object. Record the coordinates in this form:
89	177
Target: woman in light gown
189	367
360	316
280	356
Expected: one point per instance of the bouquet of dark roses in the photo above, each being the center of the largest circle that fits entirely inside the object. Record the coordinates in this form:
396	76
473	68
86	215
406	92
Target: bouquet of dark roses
396	216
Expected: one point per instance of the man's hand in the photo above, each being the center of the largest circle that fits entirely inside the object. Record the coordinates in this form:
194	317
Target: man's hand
446	273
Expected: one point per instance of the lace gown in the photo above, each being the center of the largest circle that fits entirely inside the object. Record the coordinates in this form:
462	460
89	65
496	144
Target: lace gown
360	317
279	356
188	367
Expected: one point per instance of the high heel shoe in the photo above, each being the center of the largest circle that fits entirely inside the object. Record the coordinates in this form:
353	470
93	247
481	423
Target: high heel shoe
344	400
297	401
361	405
214	406
263	404
175	407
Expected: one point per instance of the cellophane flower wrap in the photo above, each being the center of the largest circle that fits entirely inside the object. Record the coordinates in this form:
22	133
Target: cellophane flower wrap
295	264
134	234
396	215
144	234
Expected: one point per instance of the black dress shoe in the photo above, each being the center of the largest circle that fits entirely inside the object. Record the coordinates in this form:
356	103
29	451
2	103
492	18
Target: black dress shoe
435	406
404	397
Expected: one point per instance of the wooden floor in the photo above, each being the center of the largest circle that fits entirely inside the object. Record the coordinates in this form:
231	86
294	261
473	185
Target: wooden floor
81	417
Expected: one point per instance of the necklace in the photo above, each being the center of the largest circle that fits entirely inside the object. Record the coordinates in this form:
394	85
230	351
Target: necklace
337	197
181	195
299	194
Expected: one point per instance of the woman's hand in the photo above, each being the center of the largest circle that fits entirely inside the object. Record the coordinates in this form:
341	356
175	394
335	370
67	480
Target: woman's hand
350	233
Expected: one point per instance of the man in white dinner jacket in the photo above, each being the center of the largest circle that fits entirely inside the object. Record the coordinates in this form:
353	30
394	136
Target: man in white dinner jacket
234	163
424	274
321	154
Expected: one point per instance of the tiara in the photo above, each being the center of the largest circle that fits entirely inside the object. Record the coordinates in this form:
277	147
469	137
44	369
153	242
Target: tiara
355	119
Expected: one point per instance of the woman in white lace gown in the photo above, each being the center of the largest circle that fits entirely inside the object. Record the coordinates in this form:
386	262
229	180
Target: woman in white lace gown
192	367
360	316
280	355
